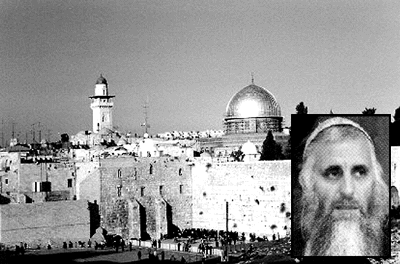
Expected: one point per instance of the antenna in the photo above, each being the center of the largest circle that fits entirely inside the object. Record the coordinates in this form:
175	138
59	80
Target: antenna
48	135
2	133
33	132
13	129
40	133
145	124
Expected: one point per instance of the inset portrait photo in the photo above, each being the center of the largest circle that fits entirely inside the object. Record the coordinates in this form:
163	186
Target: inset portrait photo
340	185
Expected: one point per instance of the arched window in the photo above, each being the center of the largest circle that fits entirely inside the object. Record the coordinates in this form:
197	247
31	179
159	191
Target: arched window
180	171
151	169
119	188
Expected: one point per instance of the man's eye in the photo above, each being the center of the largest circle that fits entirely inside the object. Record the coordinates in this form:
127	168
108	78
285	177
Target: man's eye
333	172
360	171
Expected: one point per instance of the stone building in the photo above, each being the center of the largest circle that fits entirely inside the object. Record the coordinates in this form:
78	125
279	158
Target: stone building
40	178
145	197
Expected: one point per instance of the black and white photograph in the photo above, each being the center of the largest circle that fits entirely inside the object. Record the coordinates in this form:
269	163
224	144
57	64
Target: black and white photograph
136	131
340	177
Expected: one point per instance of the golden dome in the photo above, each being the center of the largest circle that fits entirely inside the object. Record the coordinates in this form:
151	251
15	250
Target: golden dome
253	101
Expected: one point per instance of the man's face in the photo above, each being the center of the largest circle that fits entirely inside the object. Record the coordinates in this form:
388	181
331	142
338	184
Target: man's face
344	177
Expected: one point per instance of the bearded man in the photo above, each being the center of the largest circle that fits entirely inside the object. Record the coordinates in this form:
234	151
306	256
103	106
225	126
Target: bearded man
345	200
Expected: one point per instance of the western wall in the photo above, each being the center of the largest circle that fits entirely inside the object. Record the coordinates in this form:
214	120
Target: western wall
258	195
147	197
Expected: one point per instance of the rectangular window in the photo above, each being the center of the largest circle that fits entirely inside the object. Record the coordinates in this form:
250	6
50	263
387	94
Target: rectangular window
36	187
45	186
119	173
69	183
180	189
6	181
119	188
142	191
161	190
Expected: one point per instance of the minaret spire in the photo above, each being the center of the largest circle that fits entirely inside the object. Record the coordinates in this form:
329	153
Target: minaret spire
101	104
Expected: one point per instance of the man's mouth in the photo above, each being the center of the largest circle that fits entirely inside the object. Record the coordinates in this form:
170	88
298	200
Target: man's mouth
346	207
346	214
346	210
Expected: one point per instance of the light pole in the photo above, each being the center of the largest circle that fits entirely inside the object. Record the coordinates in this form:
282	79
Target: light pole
226	236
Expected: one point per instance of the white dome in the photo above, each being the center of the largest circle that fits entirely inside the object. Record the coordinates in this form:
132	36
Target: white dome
249	148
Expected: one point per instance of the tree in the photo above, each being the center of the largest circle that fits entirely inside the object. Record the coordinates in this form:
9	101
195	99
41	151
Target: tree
394	130
396	116
369	111
270	150
301	109
237	155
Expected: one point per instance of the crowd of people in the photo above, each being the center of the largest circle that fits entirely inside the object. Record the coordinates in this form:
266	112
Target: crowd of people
221	236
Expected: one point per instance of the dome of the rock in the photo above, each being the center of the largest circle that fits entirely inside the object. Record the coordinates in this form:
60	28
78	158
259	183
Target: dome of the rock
252	110
253	101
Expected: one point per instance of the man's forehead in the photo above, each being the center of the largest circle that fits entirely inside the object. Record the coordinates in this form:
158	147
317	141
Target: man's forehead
349	151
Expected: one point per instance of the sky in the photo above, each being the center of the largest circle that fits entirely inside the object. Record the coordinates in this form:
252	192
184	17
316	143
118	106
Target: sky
190	57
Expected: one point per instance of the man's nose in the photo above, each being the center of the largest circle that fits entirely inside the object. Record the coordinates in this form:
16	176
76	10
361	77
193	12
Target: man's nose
347	186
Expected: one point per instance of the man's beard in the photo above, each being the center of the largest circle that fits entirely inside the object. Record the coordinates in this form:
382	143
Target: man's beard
343	229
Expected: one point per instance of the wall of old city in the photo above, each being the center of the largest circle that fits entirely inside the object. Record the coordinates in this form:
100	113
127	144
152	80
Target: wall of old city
154	194
258	195
39	223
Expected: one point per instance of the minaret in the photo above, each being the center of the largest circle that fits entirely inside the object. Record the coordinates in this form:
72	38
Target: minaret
101	105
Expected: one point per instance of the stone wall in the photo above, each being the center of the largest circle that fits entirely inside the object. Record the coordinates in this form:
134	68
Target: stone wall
139	201
88	181
258	196
56	173
154	193
39	223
